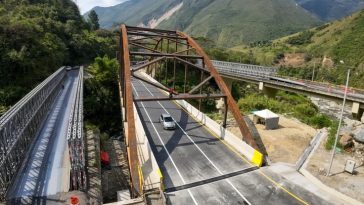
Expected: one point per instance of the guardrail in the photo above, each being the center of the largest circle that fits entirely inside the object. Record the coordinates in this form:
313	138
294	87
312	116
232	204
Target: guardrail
75	138
19	125
240	69
270	75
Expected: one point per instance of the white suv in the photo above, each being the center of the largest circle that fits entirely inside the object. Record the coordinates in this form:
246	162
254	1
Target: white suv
167	122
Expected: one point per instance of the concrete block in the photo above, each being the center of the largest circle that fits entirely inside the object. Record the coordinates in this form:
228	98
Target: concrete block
355	108
261	86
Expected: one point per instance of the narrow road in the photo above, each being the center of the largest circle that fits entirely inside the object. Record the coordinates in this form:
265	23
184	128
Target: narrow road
46	170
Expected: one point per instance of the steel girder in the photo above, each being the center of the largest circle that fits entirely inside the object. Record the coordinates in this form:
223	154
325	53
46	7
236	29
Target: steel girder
150	49
127	103
20	124
76	140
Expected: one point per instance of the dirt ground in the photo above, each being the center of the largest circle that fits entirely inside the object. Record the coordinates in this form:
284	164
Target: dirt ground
351	185
286	143
293	59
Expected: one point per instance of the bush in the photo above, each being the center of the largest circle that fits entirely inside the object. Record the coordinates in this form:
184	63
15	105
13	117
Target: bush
305	110
331	138
300	39
320	121
298	105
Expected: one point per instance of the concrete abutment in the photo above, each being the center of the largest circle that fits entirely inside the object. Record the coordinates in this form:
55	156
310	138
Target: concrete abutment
357	111
267	91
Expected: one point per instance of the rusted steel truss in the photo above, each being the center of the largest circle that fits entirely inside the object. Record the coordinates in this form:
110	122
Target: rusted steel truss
162	54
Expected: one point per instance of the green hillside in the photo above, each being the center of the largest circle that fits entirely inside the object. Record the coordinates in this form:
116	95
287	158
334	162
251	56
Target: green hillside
235	21
339	40
226	22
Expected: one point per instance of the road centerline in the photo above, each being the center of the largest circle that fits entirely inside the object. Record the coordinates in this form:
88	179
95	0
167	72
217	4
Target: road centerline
169	156
203	153
268	178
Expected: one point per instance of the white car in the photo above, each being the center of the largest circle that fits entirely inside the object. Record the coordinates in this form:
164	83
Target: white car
167	122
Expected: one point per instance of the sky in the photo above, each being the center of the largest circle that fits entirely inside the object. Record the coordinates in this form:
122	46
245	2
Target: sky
86	5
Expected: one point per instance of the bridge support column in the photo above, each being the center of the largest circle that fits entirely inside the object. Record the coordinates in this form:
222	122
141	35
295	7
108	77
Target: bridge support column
229	83
267	91
357	111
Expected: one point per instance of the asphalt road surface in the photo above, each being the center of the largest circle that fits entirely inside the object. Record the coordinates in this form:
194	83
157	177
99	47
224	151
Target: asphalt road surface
46	170
199	169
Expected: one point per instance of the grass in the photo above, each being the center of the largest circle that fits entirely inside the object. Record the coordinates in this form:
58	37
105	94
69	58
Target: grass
290	104
331	138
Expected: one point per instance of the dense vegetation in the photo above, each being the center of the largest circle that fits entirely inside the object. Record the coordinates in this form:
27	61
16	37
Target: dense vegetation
39	36
300	39
288	104
334	42
102	95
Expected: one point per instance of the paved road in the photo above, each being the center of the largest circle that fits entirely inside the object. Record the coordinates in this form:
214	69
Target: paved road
199	169
46	170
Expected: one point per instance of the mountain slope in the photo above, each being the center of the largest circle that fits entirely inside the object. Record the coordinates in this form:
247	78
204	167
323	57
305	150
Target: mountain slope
324	46
234	21
133	12
328	10
227	22
339	40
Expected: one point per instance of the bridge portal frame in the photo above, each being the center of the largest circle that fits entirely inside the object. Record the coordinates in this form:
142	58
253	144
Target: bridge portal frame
160	46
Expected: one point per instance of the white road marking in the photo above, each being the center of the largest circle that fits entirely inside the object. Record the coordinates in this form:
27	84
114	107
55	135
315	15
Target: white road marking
203	153
169	156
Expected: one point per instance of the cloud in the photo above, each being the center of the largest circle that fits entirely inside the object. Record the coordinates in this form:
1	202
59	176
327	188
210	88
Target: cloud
86	5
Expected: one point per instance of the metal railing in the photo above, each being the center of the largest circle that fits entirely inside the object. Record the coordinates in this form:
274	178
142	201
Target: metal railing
76	140
270	75
20	124
239	69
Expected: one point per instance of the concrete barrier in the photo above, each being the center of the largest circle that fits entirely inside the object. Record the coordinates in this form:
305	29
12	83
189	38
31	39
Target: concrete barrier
233	141
151	173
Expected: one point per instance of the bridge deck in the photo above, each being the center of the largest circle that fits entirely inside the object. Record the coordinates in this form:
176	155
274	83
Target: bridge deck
199	169
46	170
253	73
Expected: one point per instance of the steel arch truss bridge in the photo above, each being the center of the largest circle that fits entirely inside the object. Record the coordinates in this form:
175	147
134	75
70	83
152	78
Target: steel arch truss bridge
181	68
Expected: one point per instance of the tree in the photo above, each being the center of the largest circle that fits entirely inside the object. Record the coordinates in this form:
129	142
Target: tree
94	20
102	96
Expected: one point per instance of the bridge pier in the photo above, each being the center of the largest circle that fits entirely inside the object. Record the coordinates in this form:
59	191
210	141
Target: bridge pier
229	83
267	91
357	111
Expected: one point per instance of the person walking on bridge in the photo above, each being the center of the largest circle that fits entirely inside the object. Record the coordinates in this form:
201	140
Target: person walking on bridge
170	92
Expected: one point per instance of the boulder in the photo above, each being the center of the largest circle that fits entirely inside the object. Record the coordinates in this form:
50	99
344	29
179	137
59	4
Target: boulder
359	136
346	140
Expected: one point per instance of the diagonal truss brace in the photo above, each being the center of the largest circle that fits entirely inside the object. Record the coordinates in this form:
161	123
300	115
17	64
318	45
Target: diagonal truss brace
148	64
247	136
153	84
201	84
